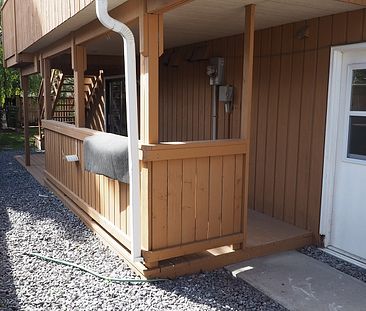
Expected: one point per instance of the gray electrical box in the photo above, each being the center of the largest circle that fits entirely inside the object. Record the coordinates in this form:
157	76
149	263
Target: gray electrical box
215	70
226	95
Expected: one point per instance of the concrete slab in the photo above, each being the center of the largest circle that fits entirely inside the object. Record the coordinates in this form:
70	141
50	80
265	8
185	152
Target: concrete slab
299	282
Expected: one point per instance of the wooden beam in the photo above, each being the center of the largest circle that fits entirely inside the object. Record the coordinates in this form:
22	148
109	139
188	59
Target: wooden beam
161	6
359	2
247	98
58	47
193	150
46	74
126	13
25	87
149	132
25	58
191	248
79	58
11	62
29	70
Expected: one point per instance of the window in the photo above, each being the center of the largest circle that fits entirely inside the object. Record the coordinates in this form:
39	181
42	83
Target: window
357	116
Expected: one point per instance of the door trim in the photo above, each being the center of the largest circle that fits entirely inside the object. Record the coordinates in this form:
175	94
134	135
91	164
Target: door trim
330	148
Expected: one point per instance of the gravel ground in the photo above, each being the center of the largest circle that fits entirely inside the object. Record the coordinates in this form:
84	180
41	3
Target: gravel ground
33	220
339	264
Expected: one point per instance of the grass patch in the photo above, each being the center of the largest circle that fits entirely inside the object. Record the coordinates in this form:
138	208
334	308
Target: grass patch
14	139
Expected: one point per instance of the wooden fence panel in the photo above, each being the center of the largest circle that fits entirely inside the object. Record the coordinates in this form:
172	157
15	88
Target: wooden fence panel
103	199
196	199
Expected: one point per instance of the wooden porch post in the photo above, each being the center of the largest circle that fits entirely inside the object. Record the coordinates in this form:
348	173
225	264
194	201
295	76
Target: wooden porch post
151	47
25	87
151	34
247	101
78	56
46	73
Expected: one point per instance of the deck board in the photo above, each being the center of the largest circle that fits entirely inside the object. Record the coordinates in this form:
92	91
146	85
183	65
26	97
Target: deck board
266	235
36	168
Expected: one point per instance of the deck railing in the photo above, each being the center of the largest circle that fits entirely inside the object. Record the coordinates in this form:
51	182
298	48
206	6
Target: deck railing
105	200
196	196
192	194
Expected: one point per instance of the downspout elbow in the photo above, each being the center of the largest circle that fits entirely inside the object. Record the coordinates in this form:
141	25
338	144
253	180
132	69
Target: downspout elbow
112	24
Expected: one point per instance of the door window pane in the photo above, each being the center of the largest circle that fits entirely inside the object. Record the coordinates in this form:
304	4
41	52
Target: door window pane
357	138
358	93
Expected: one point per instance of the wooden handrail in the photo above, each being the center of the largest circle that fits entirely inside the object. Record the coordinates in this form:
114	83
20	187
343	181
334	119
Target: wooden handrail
69	130
193	149
164	151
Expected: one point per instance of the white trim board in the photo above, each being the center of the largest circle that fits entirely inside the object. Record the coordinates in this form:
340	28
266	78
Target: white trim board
330	147
344	256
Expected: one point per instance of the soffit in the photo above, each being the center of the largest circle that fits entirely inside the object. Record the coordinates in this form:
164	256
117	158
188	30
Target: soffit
202	20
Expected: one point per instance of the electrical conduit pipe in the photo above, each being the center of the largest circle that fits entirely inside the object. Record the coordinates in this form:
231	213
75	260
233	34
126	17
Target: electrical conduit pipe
132	122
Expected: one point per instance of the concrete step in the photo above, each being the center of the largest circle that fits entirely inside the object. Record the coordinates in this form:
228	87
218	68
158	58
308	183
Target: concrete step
299	282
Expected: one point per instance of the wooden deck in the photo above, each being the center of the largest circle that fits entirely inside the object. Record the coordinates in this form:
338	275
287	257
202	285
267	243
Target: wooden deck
37	165
266	235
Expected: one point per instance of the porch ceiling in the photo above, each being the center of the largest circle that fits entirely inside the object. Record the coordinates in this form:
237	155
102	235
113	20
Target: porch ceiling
202	20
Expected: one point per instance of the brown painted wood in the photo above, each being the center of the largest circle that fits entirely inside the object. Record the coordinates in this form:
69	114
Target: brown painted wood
175	192
79	59
80	186
300	125
159	205
149	115
339	29
202	198
282	121
355	26
161	6
25	88
188	200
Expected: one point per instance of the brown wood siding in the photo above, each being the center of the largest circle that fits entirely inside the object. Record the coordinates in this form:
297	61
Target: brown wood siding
8	24
34	19
289	109
185	93
290	115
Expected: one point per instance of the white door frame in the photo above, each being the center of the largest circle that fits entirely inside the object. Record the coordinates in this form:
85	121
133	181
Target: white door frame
330	148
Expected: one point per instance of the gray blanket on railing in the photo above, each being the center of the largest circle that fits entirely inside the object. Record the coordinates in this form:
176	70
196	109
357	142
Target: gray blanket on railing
107	154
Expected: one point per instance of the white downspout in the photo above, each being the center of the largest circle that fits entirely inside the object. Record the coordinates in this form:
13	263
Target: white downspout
132	121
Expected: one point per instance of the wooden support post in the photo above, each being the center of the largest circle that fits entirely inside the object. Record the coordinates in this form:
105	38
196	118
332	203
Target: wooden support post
247	102
47	102
25	87
78	55
151	34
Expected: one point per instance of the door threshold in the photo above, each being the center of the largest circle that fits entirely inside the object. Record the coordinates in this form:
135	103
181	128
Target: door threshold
345	256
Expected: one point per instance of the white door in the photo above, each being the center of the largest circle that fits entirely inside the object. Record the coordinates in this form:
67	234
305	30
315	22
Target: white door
348	212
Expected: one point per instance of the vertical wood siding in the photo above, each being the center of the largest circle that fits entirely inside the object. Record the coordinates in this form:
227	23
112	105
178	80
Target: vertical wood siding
185	92
34	19
291	86
8	24
289	109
